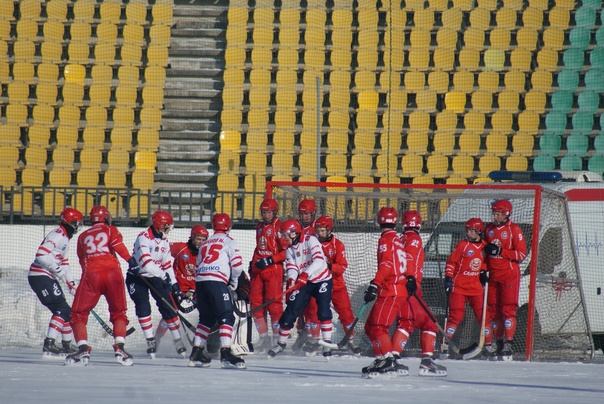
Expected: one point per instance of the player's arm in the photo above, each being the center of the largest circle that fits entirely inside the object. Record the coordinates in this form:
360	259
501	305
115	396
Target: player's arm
142	254
339	263
452	264
117	244
518	251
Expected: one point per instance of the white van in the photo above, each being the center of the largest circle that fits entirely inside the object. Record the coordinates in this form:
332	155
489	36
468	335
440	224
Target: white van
570	256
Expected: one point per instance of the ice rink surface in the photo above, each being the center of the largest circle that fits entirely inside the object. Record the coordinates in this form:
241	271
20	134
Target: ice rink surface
27	378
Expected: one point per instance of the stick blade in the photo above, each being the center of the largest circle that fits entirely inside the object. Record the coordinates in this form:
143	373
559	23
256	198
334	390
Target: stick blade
330	345
470	352
130	330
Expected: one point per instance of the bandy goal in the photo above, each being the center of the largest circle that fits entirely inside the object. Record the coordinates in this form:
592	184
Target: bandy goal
552	319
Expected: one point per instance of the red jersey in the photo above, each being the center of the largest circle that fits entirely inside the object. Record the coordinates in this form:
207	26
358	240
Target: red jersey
268	244
310	229
464	266
185	265
513	246
392	265
97	247
335	254
414	248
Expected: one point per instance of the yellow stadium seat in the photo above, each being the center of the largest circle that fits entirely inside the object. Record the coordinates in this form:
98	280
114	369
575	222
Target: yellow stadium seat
452	18
62	158
535	101
509	101
102	74
67	136
51	52
96	116
9	156
515	80
157	55
532	17
136	13
443	143
43	115
522	144
496	144
155	76
444	58
16	114
455	101
463	81
110	12
36	157
90	158
474	122
494	59
521	59
27	30
100	95
527	38
143	179
88	177
411	165
83	10
469	59
469	143
559	17
500	38
487	163
542	80
506	18
132	54
59	178
463	165
8	177
437	165
123	117
32	177
125	96
516	163
118	159
417	142
553	38
53	31
23	71
11	136
145	160
75	73
80	31
528	122
73	93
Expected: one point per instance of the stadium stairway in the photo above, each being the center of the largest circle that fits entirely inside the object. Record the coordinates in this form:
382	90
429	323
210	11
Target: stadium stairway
190	127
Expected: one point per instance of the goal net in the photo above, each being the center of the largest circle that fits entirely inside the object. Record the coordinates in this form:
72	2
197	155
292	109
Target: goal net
552	321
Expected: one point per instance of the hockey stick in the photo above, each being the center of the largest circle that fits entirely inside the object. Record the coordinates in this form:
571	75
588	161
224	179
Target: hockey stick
452	345
175	305
167	304
346	337
103	324
269	301
442	345
475	349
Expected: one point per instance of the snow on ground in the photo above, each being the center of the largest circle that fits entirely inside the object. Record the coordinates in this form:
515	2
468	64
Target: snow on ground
26	378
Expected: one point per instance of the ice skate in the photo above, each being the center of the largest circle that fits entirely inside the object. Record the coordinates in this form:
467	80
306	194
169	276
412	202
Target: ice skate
199	358
507	354
69	347
151	347
276	349
380	368
444	351
230	361
263	344
180	347
489	352
121	356
311	346
401	369
327	351
50	350
427	367
80	357
300	341
355	349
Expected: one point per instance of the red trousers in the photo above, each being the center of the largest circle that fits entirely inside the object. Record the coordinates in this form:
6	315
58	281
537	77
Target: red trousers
265	286
93	284
502	303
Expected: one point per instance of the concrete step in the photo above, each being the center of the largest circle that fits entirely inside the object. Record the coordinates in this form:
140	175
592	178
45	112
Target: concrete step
171	123
193	135
205	66
186	149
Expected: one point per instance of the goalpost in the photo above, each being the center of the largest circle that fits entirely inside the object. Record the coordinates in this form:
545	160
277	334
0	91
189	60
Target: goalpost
552	319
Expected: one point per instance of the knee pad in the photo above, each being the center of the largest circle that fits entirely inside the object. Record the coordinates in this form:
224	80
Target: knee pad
61	309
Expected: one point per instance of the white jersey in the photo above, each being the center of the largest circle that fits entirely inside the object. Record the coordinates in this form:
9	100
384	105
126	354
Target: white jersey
51	257
219	260
153	256
307	256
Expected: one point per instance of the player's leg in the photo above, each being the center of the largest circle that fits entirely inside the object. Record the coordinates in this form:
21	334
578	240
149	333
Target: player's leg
296	302
509	306
86	298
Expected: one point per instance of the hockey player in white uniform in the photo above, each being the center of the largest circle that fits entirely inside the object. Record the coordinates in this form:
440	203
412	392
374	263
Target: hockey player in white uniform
152	252
218	269
51	264
307	270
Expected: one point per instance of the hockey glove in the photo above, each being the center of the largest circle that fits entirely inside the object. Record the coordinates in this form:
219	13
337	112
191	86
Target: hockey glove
133	266
448	284
411	285
167	282
301	281
484	278
176	290
189	294
59	272
265	262
243	287
492	249
370	293
72	287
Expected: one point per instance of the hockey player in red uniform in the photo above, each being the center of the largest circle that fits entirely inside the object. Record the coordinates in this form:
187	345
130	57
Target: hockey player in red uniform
185	258
49	266
152	252
306	269
465	277
505	250
417	316
389	288
335	255
101	275
219	267
266	271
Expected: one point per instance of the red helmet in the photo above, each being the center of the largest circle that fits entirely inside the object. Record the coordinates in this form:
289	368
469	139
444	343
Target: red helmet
503	205
387	215
291	226
221	222
199	230
475	223
307	206
269	204
100	214
325	221
412	218
72	218
162	221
